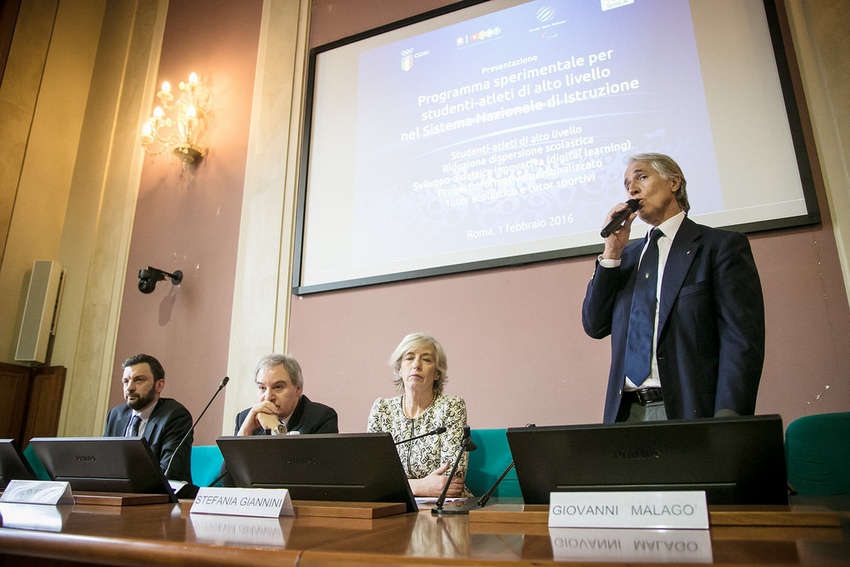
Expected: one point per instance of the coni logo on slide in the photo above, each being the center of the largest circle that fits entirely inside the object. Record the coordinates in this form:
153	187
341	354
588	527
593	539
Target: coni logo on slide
408	55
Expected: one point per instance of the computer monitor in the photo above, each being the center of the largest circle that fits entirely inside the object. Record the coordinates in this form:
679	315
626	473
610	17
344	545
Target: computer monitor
103	464
739	460
13	464
349	467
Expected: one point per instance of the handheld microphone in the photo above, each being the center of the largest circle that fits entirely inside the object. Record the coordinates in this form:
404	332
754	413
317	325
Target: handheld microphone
437	510
632	205
436	431
187	488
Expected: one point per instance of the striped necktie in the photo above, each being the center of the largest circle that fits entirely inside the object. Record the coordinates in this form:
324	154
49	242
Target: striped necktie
133	430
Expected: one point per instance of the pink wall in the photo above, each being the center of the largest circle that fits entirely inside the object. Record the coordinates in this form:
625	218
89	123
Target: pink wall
189	220
516	349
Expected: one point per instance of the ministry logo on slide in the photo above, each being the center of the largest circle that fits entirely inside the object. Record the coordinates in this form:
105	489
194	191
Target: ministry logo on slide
545	14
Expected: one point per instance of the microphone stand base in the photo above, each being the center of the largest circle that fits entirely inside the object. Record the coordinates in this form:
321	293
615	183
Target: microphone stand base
454	509
184	490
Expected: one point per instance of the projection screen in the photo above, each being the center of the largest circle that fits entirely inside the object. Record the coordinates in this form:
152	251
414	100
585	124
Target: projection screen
496	133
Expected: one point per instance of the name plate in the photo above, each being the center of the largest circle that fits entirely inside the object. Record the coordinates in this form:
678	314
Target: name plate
655	510
260	502
49	492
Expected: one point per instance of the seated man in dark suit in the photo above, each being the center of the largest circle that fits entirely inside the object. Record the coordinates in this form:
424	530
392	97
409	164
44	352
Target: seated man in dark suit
283	408
162	421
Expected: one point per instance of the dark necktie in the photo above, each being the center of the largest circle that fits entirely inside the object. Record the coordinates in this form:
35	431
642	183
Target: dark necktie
642	316
134	426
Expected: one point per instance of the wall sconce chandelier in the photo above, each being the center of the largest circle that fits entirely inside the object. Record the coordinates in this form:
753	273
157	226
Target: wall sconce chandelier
178	124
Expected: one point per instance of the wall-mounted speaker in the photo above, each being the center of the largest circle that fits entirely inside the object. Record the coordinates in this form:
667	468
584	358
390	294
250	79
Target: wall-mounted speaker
41	311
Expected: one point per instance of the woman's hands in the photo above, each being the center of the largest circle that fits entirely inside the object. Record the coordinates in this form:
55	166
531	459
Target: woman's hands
433	484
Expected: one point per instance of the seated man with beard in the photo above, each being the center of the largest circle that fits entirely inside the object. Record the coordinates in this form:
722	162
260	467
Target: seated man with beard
162	421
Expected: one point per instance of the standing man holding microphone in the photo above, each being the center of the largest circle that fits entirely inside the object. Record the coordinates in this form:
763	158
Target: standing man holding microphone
683	306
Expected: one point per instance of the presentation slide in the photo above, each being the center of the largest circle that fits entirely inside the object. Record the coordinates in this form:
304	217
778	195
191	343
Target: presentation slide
500	133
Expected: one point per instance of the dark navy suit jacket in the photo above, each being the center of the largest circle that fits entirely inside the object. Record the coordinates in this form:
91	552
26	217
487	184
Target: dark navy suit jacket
309	417
710	325
168	423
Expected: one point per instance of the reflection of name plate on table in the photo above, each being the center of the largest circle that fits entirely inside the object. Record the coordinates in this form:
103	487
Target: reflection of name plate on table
616	545
223	530
259	502
34	516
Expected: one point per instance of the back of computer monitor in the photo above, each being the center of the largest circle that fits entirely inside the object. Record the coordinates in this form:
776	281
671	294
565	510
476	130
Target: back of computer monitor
13	464
351	467
734	460
103	464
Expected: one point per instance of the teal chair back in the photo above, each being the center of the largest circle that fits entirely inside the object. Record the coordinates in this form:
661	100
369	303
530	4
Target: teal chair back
817	454
487	463
35	463
206	464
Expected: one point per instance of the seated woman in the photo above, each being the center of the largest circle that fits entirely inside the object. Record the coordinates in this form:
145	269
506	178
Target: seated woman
419	364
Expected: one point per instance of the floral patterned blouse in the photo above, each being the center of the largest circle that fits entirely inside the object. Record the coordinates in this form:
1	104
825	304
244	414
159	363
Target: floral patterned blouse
421	456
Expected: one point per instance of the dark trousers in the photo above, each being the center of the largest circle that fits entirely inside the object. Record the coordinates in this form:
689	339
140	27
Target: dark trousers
632	411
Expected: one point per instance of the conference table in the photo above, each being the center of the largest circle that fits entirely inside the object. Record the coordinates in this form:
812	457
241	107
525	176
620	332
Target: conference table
356	534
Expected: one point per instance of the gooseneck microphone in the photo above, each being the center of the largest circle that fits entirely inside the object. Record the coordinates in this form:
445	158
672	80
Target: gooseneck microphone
221	386
484	499
632	205
465	507
438	509
436	431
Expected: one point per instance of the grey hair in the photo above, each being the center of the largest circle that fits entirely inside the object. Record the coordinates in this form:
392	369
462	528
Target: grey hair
667	168
289	364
